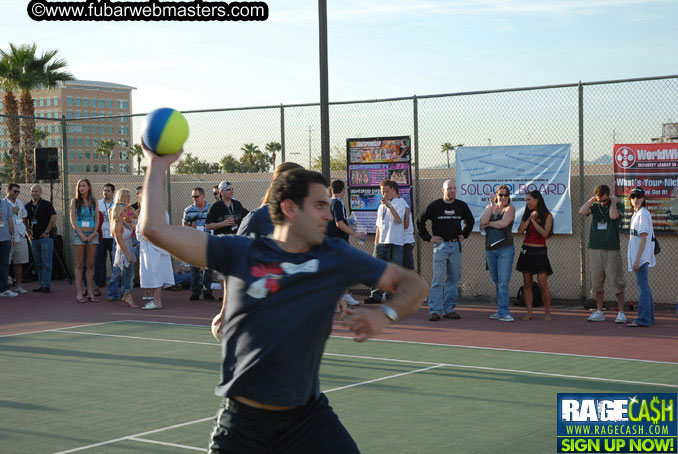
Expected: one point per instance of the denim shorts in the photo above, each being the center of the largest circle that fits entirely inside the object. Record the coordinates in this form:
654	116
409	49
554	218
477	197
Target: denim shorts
77	241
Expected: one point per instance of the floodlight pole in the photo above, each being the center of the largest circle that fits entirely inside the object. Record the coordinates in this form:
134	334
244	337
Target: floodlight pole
324	95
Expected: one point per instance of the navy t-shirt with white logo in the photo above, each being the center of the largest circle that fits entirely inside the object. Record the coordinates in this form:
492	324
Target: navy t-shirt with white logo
279	313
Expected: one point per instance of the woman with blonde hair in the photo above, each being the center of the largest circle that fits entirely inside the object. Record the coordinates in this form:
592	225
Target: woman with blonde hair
84	218
123	196
124	259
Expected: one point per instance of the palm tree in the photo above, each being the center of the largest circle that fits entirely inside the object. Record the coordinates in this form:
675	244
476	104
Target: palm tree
447	147
40	135
105	149
137	152
249	150
273	148
37	71
8	76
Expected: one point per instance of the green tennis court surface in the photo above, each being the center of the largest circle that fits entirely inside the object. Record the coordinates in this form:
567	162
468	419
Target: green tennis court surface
136	387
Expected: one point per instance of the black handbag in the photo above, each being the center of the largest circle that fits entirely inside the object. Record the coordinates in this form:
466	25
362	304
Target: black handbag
657	248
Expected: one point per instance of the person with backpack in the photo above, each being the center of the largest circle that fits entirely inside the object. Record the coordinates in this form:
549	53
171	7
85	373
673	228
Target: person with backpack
537	224
641	256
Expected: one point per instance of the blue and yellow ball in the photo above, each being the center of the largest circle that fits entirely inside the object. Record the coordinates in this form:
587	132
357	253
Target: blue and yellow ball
166	131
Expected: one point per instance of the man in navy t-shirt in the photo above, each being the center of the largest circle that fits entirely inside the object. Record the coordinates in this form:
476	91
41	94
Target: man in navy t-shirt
281	299
338	227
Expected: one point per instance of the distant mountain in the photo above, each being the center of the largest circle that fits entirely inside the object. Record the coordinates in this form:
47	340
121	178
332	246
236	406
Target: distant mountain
605	159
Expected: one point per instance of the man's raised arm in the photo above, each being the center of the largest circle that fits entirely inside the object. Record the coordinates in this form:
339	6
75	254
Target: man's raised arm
187	244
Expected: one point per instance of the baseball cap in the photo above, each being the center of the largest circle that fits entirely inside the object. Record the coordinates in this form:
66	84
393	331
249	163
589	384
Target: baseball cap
223	185
638	192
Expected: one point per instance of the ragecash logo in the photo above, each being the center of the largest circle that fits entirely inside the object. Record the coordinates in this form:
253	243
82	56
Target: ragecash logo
619	423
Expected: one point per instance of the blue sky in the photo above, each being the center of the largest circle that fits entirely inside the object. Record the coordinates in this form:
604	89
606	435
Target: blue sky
377	48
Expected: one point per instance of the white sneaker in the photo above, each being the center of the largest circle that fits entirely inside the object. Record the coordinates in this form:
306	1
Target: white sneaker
597	316
8	293
506	318
494	316
621	318
350	300
21	290
151	306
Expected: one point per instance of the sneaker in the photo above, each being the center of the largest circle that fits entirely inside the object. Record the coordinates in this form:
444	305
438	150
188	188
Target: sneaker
38	290
194	297
371	300
597	316
453	315
621	318
207	297
8	293
151	306
506	318
21	290
350	300
494	316
434	317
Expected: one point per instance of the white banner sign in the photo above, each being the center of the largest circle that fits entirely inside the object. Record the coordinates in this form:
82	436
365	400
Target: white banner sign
546	168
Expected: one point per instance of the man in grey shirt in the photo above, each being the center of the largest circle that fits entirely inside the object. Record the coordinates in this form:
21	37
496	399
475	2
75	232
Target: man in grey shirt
6	244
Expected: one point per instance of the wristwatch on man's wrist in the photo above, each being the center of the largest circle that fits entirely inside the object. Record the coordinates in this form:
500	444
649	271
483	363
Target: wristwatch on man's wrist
390	313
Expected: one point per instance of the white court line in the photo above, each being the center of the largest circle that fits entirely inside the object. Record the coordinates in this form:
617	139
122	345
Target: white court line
164	443
66	327
515	371
513	350
137	337
372	358
136	436
575	355
115	440
384	378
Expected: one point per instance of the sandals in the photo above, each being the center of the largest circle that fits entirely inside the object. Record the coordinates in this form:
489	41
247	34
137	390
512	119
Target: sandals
80	300
91	299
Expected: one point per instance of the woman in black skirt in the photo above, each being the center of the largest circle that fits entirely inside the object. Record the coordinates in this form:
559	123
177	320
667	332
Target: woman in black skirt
537	222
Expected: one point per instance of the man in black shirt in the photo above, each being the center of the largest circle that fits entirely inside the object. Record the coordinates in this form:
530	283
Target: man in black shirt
225	215
446	216
41	219
339	227
282	293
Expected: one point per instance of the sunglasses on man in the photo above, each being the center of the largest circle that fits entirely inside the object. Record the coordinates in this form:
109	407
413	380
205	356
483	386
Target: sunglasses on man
636	196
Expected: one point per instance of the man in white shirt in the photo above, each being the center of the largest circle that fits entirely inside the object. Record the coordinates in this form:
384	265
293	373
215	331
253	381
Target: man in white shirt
389	238
106	244
18	255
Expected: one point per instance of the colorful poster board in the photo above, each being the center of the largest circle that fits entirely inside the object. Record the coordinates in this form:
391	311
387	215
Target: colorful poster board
523	168
654	167
369	162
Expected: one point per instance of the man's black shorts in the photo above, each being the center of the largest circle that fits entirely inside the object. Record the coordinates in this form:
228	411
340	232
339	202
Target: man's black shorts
313	428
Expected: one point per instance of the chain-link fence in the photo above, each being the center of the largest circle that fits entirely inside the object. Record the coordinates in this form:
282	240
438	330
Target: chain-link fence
237	144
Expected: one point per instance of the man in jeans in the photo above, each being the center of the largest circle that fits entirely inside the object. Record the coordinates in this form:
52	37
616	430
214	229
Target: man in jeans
6	244
195	216
41	219
446	216
106	243
606	262
389	238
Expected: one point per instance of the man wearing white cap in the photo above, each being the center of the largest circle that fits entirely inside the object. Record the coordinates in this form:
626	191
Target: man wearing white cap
225	215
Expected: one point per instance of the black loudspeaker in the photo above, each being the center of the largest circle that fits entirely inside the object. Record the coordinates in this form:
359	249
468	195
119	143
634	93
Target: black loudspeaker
46	164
